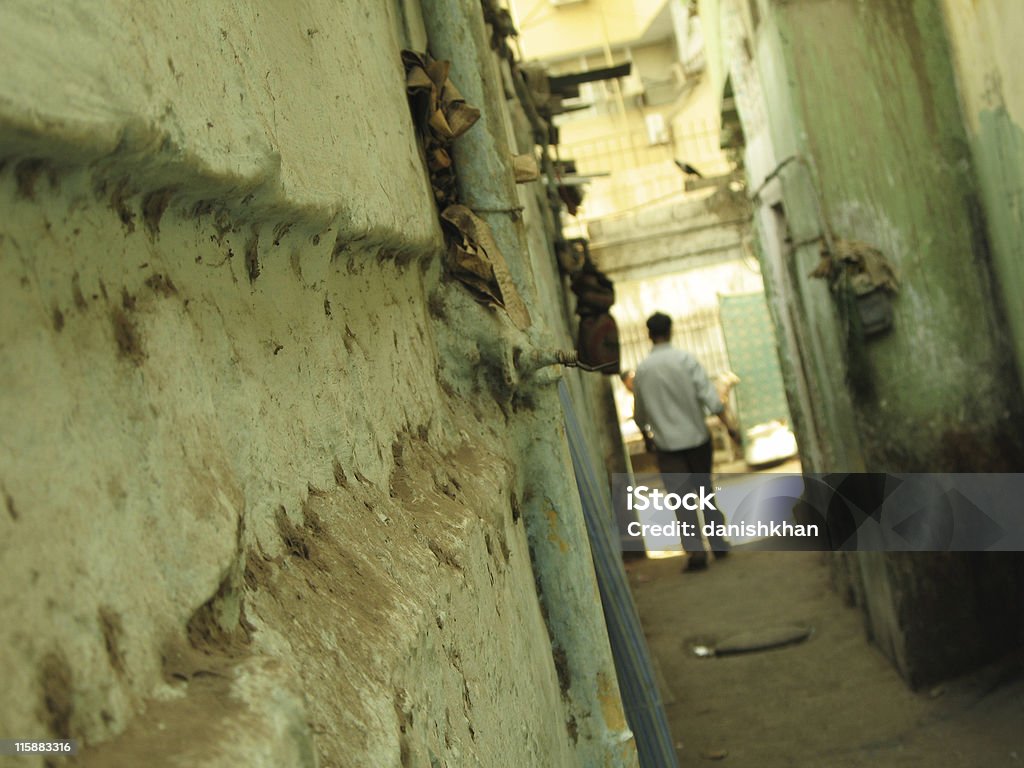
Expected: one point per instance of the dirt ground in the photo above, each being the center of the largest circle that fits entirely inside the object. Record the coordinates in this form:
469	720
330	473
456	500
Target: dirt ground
832	701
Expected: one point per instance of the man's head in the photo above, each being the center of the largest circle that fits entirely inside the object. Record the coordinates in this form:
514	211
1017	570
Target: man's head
659	327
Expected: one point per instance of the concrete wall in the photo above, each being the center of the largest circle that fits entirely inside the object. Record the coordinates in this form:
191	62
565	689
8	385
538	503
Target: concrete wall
984	40
891	169
842	166
266	488
854	131
656	240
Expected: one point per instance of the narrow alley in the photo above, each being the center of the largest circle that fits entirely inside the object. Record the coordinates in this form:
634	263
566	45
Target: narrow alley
511	384
832	700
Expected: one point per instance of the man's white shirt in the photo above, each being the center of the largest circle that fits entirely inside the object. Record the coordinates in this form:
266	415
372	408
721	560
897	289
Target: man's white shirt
671	391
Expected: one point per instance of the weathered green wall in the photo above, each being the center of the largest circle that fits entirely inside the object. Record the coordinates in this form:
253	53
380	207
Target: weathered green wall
878	113
266	474
790	225
985	40
855	130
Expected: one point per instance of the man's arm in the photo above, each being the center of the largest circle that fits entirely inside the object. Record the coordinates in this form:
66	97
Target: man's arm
639	413
709	397
640	417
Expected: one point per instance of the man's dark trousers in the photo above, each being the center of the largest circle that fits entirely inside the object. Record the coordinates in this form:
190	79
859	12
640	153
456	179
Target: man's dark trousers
696	464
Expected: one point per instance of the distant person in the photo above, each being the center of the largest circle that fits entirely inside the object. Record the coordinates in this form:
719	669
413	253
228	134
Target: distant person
671	391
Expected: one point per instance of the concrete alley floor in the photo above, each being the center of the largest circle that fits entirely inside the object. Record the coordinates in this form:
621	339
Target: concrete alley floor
831	702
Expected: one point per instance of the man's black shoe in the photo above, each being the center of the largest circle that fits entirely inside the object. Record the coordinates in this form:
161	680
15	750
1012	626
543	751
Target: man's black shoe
698	561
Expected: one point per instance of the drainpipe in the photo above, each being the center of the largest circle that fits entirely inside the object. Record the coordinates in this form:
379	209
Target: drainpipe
551	509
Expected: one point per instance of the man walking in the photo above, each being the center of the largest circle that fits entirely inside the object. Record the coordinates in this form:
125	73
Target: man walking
671	391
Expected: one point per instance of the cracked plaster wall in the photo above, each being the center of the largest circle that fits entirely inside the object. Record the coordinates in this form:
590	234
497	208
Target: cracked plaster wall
262	506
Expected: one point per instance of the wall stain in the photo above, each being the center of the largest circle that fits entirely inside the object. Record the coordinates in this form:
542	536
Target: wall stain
112	629
281	230
161	284
127	337
12	510
252	257
76	293
153	206
55	680
296	540
25	174
119	203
